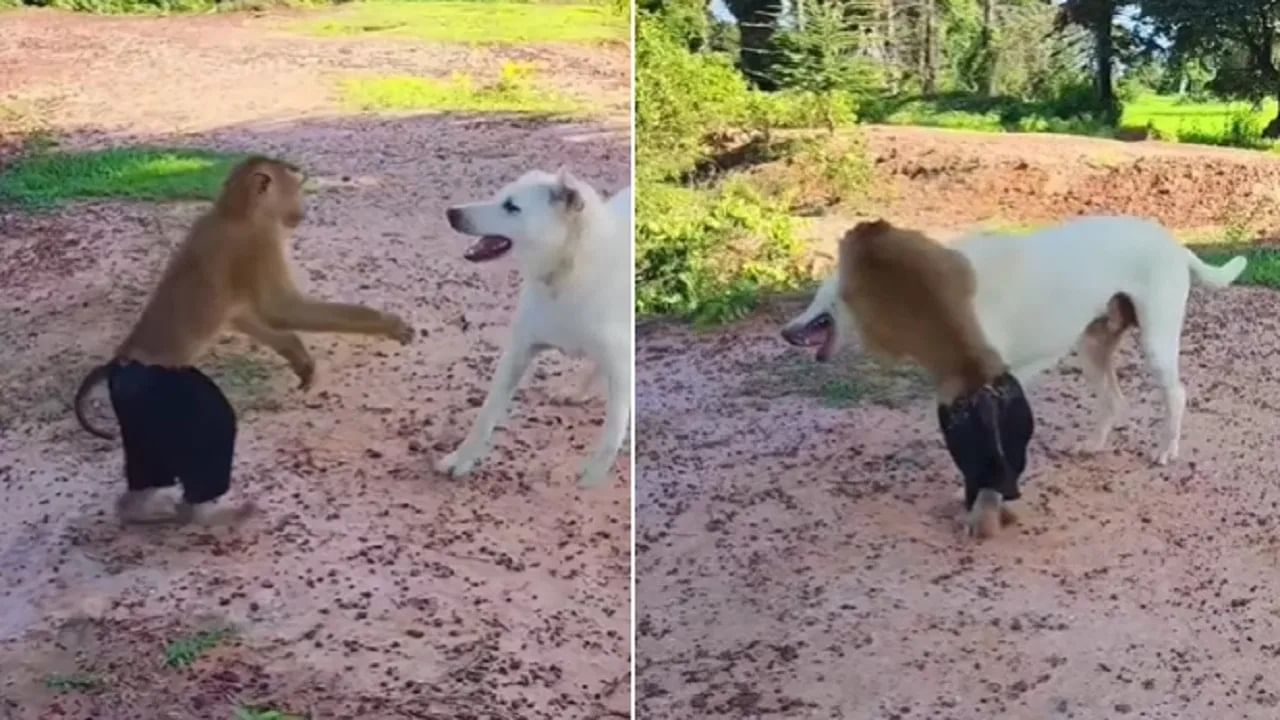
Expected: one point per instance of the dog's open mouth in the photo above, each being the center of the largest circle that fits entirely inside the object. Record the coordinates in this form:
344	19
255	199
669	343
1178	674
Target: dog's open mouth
488	247
818	332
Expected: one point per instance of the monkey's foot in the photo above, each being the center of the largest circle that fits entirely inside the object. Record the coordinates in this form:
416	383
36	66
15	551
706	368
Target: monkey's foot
986	516
1007	516
215	512
142	507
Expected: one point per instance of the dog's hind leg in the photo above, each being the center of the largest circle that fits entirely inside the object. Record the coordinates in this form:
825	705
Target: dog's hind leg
1098	356
1160	320
511	368
617	418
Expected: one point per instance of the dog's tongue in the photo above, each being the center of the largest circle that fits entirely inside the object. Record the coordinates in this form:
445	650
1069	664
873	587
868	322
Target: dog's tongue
828	340
487	248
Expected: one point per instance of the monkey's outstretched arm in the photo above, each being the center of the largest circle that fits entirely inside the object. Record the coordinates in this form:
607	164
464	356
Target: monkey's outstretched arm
292	311
287	344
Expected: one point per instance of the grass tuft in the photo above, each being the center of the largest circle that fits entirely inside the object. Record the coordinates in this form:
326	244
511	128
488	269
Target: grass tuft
73	682
47	179
1156	117
475	23
182	652
513	92
249	713
848	380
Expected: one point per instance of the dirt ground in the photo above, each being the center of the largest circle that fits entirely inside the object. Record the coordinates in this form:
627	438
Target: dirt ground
798	546
369	587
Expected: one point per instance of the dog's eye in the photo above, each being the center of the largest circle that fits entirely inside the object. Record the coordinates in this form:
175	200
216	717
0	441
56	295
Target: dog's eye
510	207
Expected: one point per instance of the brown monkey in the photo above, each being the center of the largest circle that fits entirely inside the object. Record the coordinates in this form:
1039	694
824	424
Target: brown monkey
231	270
911	298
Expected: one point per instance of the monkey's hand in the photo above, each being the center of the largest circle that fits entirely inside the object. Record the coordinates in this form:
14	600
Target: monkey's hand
398	329
305	368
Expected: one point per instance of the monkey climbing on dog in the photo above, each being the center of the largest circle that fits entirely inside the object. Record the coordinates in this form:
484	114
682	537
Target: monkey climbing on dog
909	297
231	270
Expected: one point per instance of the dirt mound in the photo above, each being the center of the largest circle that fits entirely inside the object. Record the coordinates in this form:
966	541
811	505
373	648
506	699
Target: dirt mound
939	178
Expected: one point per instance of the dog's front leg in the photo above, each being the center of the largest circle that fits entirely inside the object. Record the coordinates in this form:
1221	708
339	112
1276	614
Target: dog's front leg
617	418
515	360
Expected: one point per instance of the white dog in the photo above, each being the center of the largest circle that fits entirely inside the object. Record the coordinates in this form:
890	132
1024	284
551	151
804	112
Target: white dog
1037	294
574	254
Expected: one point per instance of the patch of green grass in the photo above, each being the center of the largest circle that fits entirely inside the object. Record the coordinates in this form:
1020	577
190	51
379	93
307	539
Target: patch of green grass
961	111
1016	228
1212	122
478	23
1161	117
182	652
247	713
73	682
46	179
847	380
512	92
246	380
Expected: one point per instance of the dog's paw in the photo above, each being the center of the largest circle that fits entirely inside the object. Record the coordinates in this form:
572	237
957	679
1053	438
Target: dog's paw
456	464
593	476
569	399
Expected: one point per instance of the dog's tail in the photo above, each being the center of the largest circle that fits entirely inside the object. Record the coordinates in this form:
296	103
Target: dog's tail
95	376
1221	276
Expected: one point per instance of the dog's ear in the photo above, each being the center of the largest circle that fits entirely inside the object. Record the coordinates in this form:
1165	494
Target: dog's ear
567	191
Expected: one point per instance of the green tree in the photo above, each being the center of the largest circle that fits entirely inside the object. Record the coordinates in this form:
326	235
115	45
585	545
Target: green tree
1099	18
821	56
688	21
1241	35
757	23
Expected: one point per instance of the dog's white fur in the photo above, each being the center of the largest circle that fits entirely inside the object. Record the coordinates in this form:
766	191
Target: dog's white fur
1036	294
573	251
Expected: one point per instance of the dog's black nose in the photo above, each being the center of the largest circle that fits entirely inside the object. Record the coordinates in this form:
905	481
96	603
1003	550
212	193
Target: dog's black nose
792	335
455	217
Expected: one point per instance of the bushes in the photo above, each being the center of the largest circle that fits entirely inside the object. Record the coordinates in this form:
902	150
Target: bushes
710	242
708	254
1074	111
681	99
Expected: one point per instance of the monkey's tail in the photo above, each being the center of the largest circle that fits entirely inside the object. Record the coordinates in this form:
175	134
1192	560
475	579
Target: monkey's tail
95	376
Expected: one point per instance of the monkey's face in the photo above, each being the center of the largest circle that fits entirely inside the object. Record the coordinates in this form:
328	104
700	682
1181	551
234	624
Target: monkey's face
823	324
532	216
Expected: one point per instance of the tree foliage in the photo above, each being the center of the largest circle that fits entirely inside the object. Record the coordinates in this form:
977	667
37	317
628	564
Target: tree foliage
1241	35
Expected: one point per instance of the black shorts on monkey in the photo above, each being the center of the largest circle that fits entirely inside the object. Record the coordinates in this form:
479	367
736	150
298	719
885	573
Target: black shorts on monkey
987	433
176	426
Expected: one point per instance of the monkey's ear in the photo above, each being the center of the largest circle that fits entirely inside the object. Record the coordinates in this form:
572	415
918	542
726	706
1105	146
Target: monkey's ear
261	181
567	191
868	229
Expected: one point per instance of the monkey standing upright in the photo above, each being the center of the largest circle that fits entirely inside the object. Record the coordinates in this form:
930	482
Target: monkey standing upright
232	269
